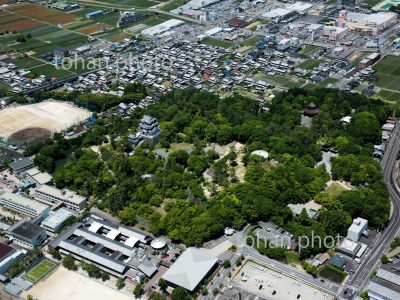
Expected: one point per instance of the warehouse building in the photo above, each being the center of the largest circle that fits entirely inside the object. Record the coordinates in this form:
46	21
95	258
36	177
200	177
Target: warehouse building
193	5
367	23
24	206
300	7
50	194
190	269
94	14
162	28
27	234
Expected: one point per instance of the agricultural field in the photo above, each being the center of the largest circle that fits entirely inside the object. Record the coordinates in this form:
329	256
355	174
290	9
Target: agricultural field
388	71
43	29
37	272
132	3
26	62
393	98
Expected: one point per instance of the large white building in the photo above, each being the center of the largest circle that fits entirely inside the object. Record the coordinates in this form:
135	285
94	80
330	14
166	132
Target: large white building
50	194
193	5
23	205
56	219
367	23
356	229
300	7
162	28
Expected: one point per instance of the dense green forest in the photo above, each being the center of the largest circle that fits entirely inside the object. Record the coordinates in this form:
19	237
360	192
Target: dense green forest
172	202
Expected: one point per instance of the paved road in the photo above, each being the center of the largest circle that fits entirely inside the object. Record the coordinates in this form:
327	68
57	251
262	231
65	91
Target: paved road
369	263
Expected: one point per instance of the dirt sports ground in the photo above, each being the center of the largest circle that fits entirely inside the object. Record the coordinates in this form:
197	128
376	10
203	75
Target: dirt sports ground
35	121
68	285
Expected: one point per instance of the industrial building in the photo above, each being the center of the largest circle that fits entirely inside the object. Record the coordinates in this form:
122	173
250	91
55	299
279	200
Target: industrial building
39	178
193	5
190	269
109	246
367	23
357	229
94	14
278	14
26	234
24	206
162	28
300	7
56	219
50	194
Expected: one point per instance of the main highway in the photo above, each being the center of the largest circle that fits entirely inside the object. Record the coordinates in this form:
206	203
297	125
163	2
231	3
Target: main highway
362	274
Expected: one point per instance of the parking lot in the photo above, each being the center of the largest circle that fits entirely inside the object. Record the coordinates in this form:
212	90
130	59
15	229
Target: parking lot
269	283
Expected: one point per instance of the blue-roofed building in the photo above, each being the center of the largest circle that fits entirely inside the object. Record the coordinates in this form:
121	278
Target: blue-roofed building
94	14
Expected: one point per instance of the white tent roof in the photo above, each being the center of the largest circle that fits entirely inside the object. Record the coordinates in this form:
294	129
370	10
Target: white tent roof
190	268
95	226
112	234
131	241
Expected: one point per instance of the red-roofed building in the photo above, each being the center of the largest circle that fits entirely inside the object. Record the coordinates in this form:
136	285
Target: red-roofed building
236	22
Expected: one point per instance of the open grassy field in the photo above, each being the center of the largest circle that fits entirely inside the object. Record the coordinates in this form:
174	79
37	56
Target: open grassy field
283	81
310	64
388	70
217	42
329	81
37	272
308	50
173	4
280	81
392	98
132	3
51	71
335	189
251	41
